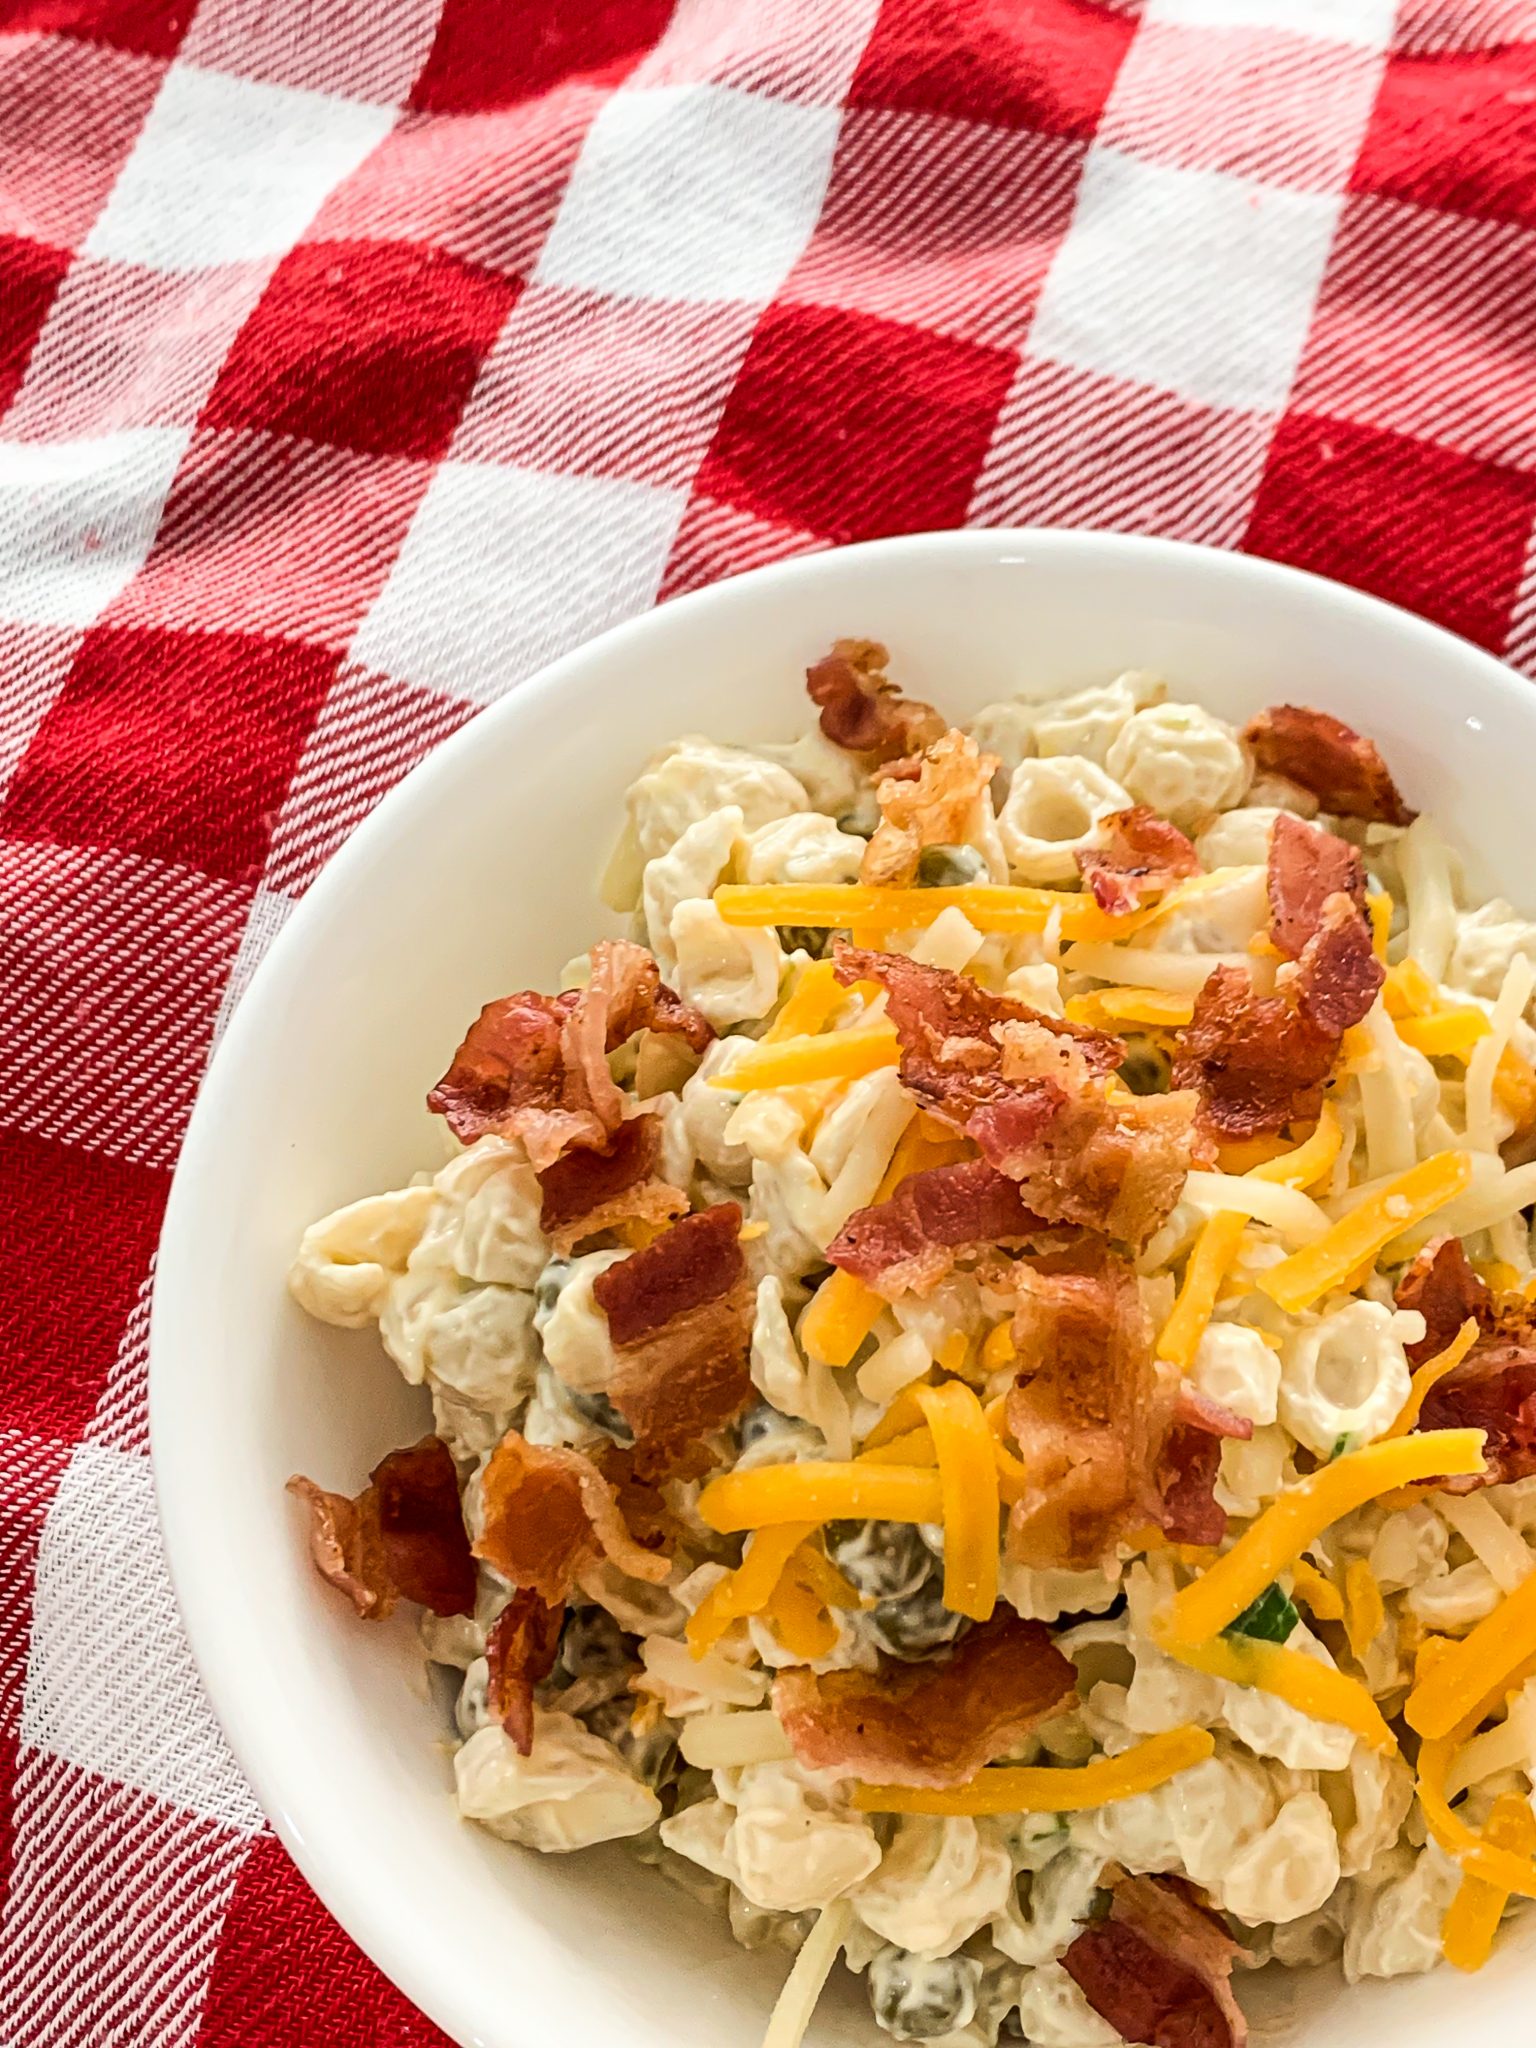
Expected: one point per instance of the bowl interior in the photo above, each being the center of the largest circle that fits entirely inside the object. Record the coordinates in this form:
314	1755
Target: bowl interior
477	876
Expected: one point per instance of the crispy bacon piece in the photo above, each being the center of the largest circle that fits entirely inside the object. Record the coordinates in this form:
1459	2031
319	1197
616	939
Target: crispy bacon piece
585	1192
862	710
680	1319
907	1244
1442	1286
933	805
1029	1090
1494	1390
1257	1061
1139	855
933	1723
1341	768
548	1513
1110	1443
1158	1967
1338	976
1306	866
401	1538
536	1067
520	1650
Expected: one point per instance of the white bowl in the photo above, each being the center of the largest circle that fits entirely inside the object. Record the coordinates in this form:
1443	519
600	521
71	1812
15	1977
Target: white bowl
475	877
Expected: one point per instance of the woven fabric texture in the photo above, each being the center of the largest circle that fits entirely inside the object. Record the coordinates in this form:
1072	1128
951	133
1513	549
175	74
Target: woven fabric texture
359	356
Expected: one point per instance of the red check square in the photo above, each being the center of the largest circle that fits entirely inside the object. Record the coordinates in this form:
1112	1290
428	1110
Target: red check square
1456	131
946	224
151	28
313	1986
1438	533
149	725
57	164
30	274
369	345
1043	64
58	1196
853	427
483	58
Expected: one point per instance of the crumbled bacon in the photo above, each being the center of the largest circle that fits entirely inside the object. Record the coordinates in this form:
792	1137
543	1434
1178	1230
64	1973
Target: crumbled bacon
536	1067
1494	1390
1442	1287
1158	1967
1338	976
520	1650
1306	866
1340	767
862	710
1257	1061
547	1514
908	1244
680	1320
934	805
401	1538
1203	1412
1081	1411
933	1723
585	1192
1029	1091
1109	1443
1138	855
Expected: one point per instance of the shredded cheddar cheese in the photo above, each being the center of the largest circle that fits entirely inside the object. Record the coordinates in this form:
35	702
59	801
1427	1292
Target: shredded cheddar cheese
840	1315
1366	1231
748	1589
1365	1612
1379	909
1305	1166
799	1618
1429	1375
820	1490
838	1056
1512	1873
1474	1670
808	1006
1207	1267
968	1484
951	1354
1304	1511
999	1350
1408	991
1320	1596
1005	1789
903	1414
989	906
1450	1033
1311	1687
912	1447
808	1975
1474	1915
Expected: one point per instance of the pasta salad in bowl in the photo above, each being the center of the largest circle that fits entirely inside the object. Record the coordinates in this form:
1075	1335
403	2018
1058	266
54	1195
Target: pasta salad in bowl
982	1363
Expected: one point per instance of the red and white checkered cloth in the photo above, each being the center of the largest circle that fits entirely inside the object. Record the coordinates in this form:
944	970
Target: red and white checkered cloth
358	356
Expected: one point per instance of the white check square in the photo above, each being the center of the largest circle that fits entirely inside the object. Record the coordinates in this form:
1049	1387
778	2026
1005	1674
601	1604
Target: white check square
103	1613
227	169
504	568
77	519
691	192
1191	281
1365	22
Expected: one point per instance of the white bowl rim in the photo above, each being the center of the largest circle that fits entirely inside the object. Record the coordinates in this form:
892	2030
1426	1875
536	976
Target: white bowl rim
219	1648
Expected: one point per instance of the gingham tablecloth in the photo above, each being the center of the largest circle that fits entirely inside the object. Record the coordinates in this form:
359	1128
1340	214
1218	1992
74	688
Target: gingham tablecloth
355	359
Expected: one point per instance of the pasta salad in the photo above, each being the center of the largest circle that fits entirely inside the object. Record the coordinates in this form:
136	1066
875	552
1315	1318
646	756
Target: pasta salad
983	1367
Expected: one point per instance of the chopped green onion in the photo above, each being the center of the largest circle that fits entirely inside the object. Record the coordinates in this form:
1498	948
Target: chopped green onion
1271	1618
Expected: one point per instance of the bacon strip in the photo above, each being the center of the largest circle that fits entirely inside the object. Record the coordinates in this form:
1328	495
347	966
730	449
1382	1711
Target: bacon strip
908	1244
548	1513
1256	1061
1109	1443
535	1067
933	1723
1306	866
1338	976
585	1192
1442	1287
520	1651
680	1320
401	1538
1138	855
1158	1967
862	710
1494	1390
1341	768
931	800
